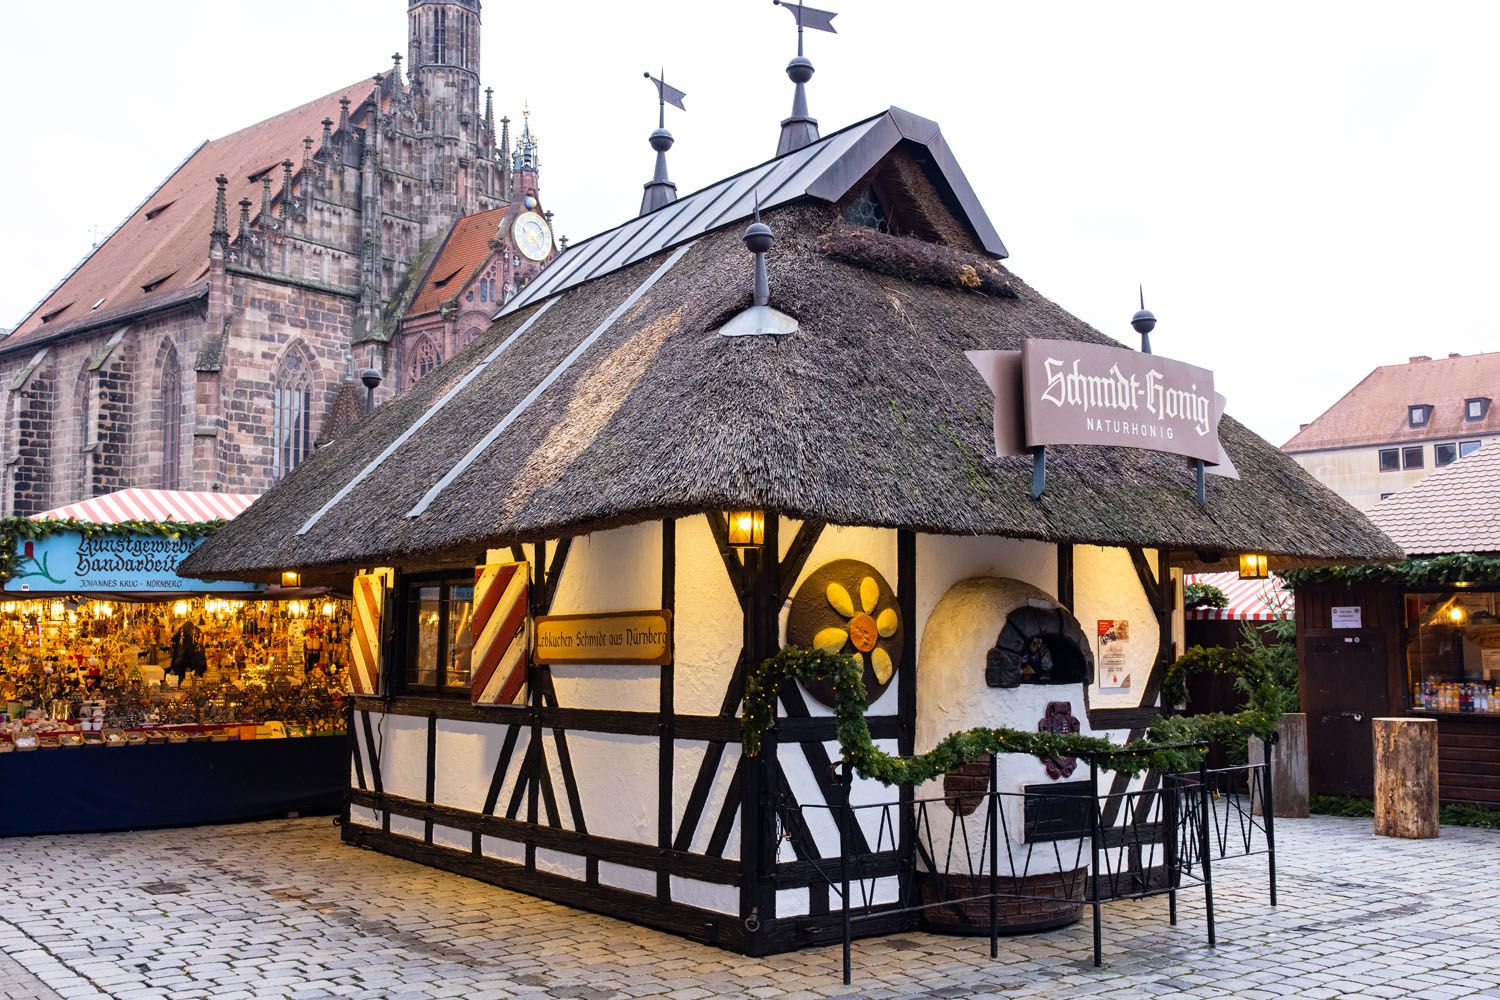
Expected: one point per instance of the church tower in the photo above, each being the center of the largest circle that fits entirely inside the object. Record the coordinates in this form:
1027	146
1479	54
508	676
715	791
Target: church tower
443	60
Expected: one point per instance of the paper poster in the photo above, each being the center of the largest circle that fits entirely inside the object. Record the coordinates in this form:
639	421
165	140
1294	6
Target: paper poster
1114	654
1347	617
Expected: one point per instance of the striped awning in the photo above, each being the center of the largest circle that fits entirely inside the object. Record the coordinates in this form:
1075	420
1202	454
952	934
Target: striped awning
153	505
1249	600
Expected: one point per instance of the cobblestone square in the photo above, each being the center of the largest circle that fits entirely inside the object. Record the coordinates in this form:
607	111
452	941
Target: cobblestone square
284	909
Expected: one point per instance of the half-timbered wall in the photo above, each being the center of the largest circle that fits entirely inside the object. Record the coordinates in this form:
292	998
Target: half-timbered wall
624	789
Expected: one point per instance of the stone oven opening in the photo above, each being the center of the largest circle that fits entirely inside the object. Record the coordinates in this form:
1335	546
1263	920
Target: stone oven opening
1039	645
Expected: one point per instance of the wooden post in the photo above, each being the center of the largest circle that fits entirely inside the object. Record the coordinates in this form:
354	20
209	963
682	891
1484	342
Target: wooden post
1406	778
1290	764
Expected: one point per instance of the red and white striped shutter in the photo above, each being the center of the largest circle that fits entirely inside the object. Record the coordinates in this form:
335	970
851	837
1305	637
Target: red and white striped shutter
367	647
501	626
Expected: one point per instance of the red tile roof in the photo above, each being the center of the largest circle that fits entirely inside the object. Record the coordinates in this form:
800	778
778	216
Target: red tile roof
1375	410
464	253
1456	509
163	245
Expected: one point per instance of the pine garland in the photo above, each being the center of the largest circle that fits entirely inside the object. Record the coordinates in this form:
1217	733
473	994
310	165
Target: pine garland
1416	574
1161	750
15	530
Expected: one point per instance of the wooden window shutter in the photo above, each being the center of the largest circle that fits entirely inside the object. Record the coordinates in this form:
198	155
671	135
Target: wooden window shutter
369	640
501	626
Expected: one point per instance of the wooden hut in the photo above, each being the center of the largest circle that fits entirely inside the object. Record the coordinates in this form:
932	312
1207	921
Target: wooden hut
1419	637
608	444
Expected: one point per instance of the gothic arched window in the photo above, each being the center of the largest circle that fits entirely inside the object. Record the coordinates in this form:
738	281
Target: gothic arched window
424	358
169	400
291	423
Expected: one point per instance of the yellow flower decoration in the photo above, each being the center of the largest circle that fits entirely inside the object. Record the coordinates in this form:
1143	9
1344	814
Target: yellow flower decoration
867	625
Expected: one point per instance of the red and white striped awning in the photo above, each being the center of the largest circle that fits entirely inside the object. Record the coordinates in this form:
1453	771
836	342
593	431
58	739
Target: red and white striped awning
1249	600
153	505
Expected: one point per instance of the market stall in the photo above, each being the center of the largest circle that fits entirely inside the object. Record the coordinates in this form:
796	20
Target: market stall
694	448
1419	637
114	669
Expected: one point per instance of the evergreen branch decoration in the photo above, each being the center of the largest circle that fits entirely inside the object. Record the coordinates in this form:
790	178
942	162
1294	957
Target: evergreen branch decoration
1161	750
1203	595
15	530
1437	571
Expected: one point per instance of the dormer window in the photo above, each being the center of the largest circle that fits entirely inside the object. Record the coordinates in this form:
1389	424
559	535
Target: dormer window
1418	415
866	211
50	316
1477	408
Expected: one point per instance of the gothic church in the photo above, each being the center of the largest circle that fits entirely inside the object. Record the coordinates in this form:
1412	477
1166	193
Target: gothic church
212	341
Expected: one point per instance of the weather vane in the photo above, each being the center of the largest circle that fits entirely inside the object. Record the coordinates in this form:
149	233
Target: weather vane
801	128
660	190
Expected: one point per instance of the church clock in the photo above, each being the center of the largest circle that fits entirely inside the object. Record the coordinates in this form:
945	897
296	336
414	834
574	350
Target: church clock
533	236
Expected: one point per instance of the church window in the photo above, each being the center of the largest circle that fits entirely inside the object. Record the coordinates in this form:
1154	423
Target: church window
424	358
439	34
291	425
463	40
170	401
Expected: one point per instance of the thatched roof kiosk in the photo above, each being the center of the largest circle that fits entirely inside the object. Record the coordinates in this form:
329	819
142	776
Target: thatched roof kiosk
869	415
589	446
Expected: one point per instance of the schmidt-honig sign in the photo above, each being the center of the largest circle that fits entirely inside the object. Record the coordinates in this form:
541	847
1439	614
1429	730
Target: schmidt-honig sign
1065	392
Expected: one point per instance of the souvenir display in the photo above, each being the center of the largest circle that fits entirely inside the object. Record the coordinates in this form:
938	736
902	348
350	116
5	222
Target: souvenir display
77	672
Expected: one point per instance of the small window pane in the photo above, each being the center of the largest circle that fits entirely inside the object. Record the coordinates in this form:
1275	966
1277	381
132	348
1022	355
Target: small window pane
1467	448
460	638
1385	495
1417	415
423	671
1474	409
1444	454
1411	458
1390	460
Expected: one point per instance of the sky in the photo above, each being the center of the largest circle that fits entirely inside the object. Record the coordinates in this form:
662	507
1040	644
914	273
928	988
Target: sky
1305	190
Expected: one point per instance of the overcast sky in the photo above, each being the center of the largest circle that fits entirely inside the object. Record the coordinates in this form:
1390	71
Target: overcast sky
1307	190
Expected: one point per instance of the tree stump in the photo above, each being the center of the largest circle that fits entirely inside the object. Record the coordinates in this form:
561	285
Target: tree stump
1406	778
1289	768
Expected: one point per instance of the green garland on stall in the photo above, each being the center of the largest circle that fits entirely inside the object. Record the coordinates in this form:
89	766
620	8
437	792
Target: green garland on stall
1160	751
15	530
1437	571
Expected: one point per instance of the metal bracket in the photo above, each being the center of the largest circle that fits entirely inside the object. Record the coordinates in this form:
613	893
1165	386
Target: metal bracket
1038	472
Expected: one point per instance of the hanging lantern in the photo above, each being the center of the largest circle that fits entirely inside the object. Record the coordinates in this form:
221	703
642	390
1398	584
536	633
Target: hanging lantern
57	611
328	609
746	528
290	578
1254	565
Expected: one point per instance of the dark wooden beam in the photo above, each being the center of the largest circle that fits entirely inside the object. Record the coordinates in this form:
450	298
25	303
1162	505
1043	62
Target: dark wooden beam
666	737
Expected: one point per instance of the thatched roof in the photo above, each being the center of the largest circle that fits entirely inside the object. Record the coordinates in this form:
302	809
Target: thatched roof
869	415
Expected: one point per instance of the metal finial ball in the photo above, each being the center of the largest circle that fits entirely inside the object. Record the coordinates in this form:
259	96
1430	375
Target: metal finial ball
371	377
758	237
800	69
1143	322
661	140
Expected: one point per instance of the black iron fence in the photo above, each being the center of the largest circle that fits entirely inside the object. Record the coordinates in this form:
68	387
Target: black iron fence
987	861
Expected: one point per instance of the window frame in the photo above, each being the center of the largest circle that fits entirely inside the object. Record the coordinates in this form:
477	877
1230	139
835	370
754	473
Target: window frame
1437	455
1394	454
1406	453
1484	408
409	607
1412	420
1476	444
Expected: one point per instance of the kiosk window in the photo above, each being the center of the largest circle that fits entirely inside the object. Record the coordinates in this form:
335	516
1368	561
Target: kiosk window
1452	652
439	640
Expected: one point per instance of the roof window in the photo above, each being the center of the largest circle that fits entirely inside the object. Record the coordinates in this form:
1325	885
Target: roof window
442	282
50	316
1476	408
152	213
96	305
256	177
156	283
1418	414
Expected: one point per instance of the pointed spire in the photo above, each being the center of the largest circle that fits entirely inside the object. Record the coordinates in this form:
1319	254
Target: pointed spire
505	139
245	204
327	131
801	129
344	114
525	156
286	189
396	70
220	236
660	190
265	197
489	113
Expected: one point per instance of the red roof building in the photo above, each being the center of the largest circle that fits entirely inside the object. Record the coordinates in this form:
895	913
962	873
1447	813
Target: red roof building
1399	424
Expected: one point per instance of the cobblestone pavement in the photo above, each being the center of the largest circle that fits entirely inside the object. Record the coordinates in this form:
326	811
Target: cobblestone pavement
285	910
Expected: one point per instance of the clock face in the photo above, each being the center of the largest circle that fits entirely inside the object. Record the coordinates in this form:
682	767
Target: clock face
533	236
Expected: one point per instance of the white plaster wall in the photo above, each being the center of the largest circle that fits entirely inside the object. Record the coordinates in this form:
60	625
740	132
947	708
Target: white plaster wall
690	756
401	742
706	895
625	877
943	560
617	784
466	756
503	850
453	838
1105	586
709	626
561	863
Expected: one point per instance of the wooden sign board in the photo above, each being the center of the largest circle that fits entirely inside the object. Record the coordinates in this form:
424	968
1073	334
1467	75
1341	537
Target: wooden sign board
639	637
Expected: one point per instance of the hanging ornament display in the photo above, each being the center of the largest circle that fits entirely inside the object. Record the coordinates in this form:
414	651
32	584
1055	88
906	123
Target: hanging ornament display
846	606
